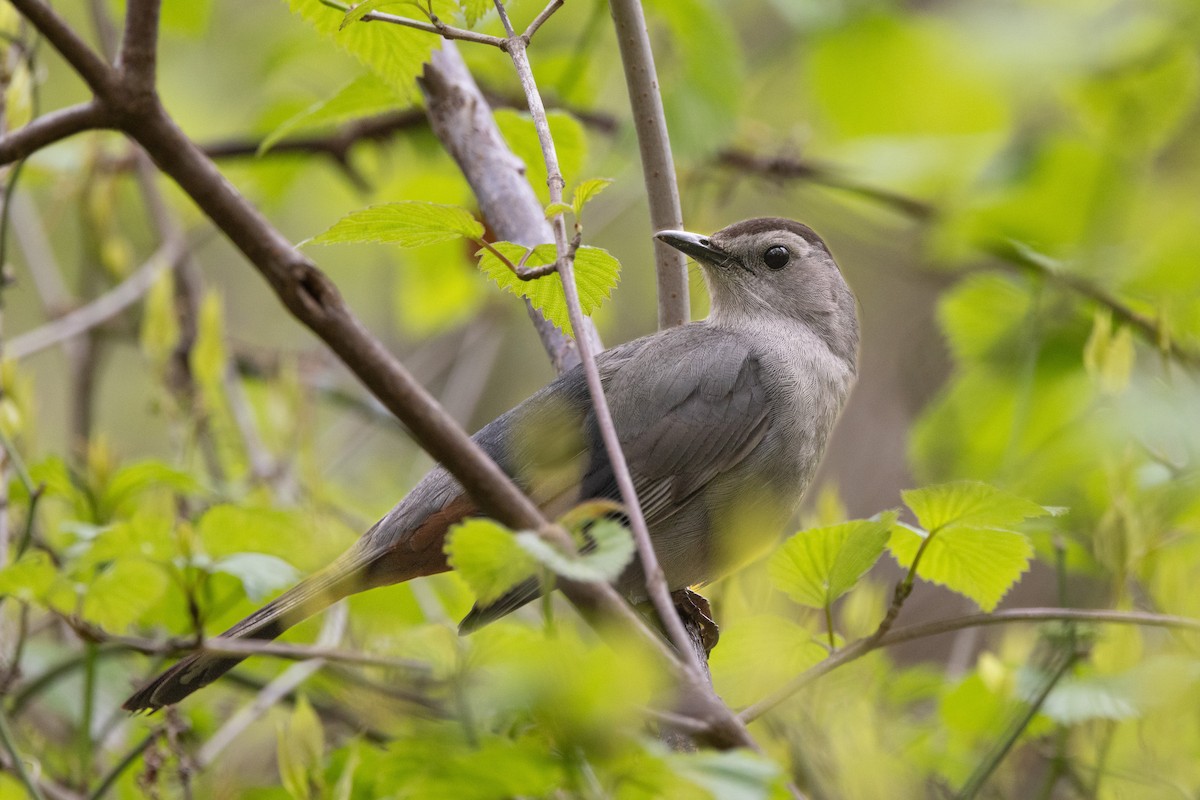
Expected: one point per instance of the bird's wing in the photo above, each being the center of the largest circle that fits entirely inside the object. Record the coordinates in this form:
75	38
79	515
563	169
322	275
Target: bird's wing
686	409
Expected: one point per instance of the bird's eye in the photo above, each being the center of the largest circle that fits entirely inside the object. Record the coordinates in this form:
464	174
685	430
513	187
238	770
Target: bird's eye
777	257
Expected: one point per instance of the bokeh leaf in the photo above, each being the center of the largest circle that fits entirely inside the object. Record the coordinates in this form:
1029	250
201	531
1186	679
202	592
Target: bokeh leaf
487	556
610	551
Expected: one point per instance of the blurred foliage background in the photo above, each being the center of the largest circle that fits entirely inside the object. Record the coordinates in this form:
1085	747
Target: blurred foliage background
1011	190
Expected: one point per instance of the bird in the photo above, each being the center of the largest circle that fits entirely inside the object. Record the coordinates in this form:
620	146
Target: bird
723	422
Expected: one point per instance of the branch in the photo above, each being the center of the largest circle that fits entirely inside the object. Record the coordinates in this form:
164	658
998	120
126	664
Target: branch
540	19
435	25
1014	255
718	717
18	764
98	75
462	119
103	308
1019	256
333	628
139	46
907	634
782	168
658	167
50	128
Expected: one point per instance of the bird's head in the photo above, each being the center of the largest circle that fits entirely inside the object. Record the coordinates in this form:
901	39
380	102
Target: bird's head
762	269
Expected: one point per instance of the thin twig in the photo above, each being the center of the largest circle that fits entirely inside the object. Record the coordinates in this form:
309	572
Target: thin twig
99	76
658	167
18	764
332	630
435	26
866	645
103	308
540	19
113	775
656	584
1152	330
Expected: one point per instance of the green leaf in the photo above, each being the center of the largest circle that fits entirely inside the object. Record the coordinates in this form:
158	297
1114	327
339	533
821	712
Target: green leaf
703	66
730	775
969	503
557	208
487	556
610	551
585	191
132	481
122	594
902	86
365	96
596	274
28	579
301	749
817	566
160	322
259	573
392	52
979	563
473	10
407	224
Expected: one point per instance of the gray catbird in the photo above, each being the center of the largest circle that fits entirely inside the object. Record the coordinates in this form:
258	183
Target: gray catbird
723	423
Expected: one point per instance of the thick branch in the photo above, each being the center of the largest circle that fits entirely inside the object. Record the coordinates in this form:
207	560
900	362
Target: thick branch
139	45
462	119
98	75
50	128
658	167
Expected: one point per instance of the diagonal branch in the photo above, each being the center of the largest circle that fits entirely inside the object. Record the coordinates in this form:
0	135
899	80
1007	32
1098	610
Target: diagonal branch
50	128
95	72
103	308
540	19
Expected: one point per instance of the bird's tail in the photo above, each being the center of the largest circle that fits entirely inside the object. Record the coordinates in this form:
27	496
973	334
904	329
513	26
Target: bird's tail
341	578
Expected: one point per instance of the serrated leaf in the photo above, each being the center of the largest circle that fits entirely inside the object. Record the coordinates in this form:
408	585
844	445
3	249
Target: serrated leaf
979	563
393	52
596	274
817	566
407	224
365	96
585	191
969	503
610	551
259	573
473	10
487	556
28	579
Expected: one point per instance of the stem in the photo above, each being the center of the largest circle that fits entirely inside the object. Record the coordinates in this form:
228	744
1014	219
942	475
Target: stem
658	167
984	771
435	25
866	645
656	584
110	779
89	704
18	764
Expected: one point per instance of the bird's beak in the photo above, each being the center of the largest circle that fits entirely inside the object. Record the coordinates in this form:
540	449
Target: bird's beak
694	245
